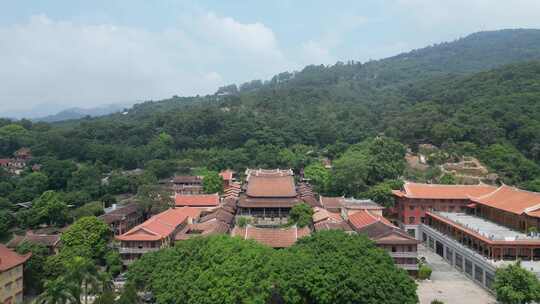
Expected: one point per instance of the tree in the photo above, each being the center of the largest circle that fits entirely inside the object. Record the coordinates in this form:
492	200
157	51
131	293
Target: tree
307	272
56	292
30	187
87	237
51	209
87	178
212	182
89	209
381	194
301	215
83	275
516	285
318	176
113	262
106	298
58	172
5	223
447	179
232	270
206	270
129	295
34	268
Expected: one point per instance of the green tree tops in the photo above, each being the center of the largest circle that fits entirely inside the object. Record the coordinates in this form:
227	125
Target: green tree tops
515	285
301	215
212	182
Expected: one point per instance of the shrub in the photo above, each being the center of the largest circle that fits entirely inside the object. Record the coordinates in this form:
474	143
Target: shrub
437	302
424	272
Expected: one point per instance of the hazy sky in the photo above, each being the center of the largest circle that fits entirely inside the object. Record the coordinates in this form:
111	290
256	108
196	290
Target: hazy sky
88	53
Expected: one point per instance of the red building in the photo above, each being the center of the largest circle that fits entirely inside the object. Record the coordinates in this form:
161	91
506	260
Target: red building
415	199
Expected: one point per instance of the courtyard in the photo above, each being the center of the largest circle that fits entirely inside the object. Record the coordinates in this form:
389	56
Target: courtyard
449	285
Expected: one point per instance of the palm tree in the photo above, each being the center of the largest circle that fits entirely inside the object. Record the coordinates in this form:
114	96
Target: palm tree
83	273
55	292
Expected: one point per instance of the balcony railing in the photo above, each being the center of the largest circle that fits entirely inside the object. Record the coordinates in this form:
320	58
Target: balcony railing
122	250
404	254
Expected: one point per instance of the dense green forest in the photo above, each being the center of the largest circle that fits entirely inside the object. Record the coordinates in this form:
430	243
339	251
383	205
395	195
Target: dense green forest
477	96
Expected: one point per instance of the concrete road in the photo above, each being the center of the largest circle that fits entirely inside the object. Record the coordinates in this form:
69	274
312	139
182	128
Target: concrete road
449	285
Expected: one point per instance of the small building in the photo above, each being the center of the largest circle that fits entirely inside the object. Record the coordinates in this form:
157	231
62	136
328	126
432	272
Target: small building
414	199
157	232
188	184
270	195
51	241
203	201
401	246
121	219
326	220
332	204
228	177
11	275
350	206
273	237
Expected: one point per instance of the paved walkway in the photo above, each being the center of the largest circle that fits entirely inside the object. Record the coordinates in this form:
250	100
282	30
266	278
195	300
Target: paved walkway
449	285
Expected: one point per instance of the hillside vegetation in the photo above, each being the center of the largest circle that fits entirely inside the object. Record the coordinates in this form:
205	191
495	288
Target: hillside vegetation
476	96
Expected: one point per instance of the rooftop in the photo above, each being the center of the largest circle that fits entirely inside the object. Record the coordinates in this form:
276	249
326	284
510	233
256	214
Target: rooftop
160	226
365	218
202	229
227	175
119	212
10	259
196	200
329	202
270	183
512	200
273	237
363	204
437	191
485	228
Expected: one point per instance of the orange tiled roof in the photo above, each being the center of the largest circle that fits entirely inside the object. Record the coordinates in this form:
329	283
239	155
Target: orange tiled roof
268	183
227	175
196	200
512	200
10	259
273	237
160	226
436	191
365	218
321	214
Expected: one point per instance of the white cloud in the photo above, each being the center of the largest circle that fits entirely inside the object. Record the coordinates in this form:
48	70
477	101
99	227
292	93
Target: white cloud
50	61
470	15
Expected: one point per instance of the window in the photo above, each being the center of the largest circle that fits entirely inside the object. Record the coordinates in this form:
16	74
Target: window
411	207
489	280
478	273
423	208
468	267
394	249
449	253
423	219
411	232
424	236
411	220
459	261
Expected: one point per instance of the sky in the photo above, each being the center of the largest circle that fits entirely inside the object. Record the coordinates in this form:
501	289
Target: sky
71	53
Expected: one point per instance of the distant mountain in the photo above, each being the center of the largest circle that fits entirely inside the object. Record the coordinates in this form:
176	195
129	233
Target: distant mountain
76	113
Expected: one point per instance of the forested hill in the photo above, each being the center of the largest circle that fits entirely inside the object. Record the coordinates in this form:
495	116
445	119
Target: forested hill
429	95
